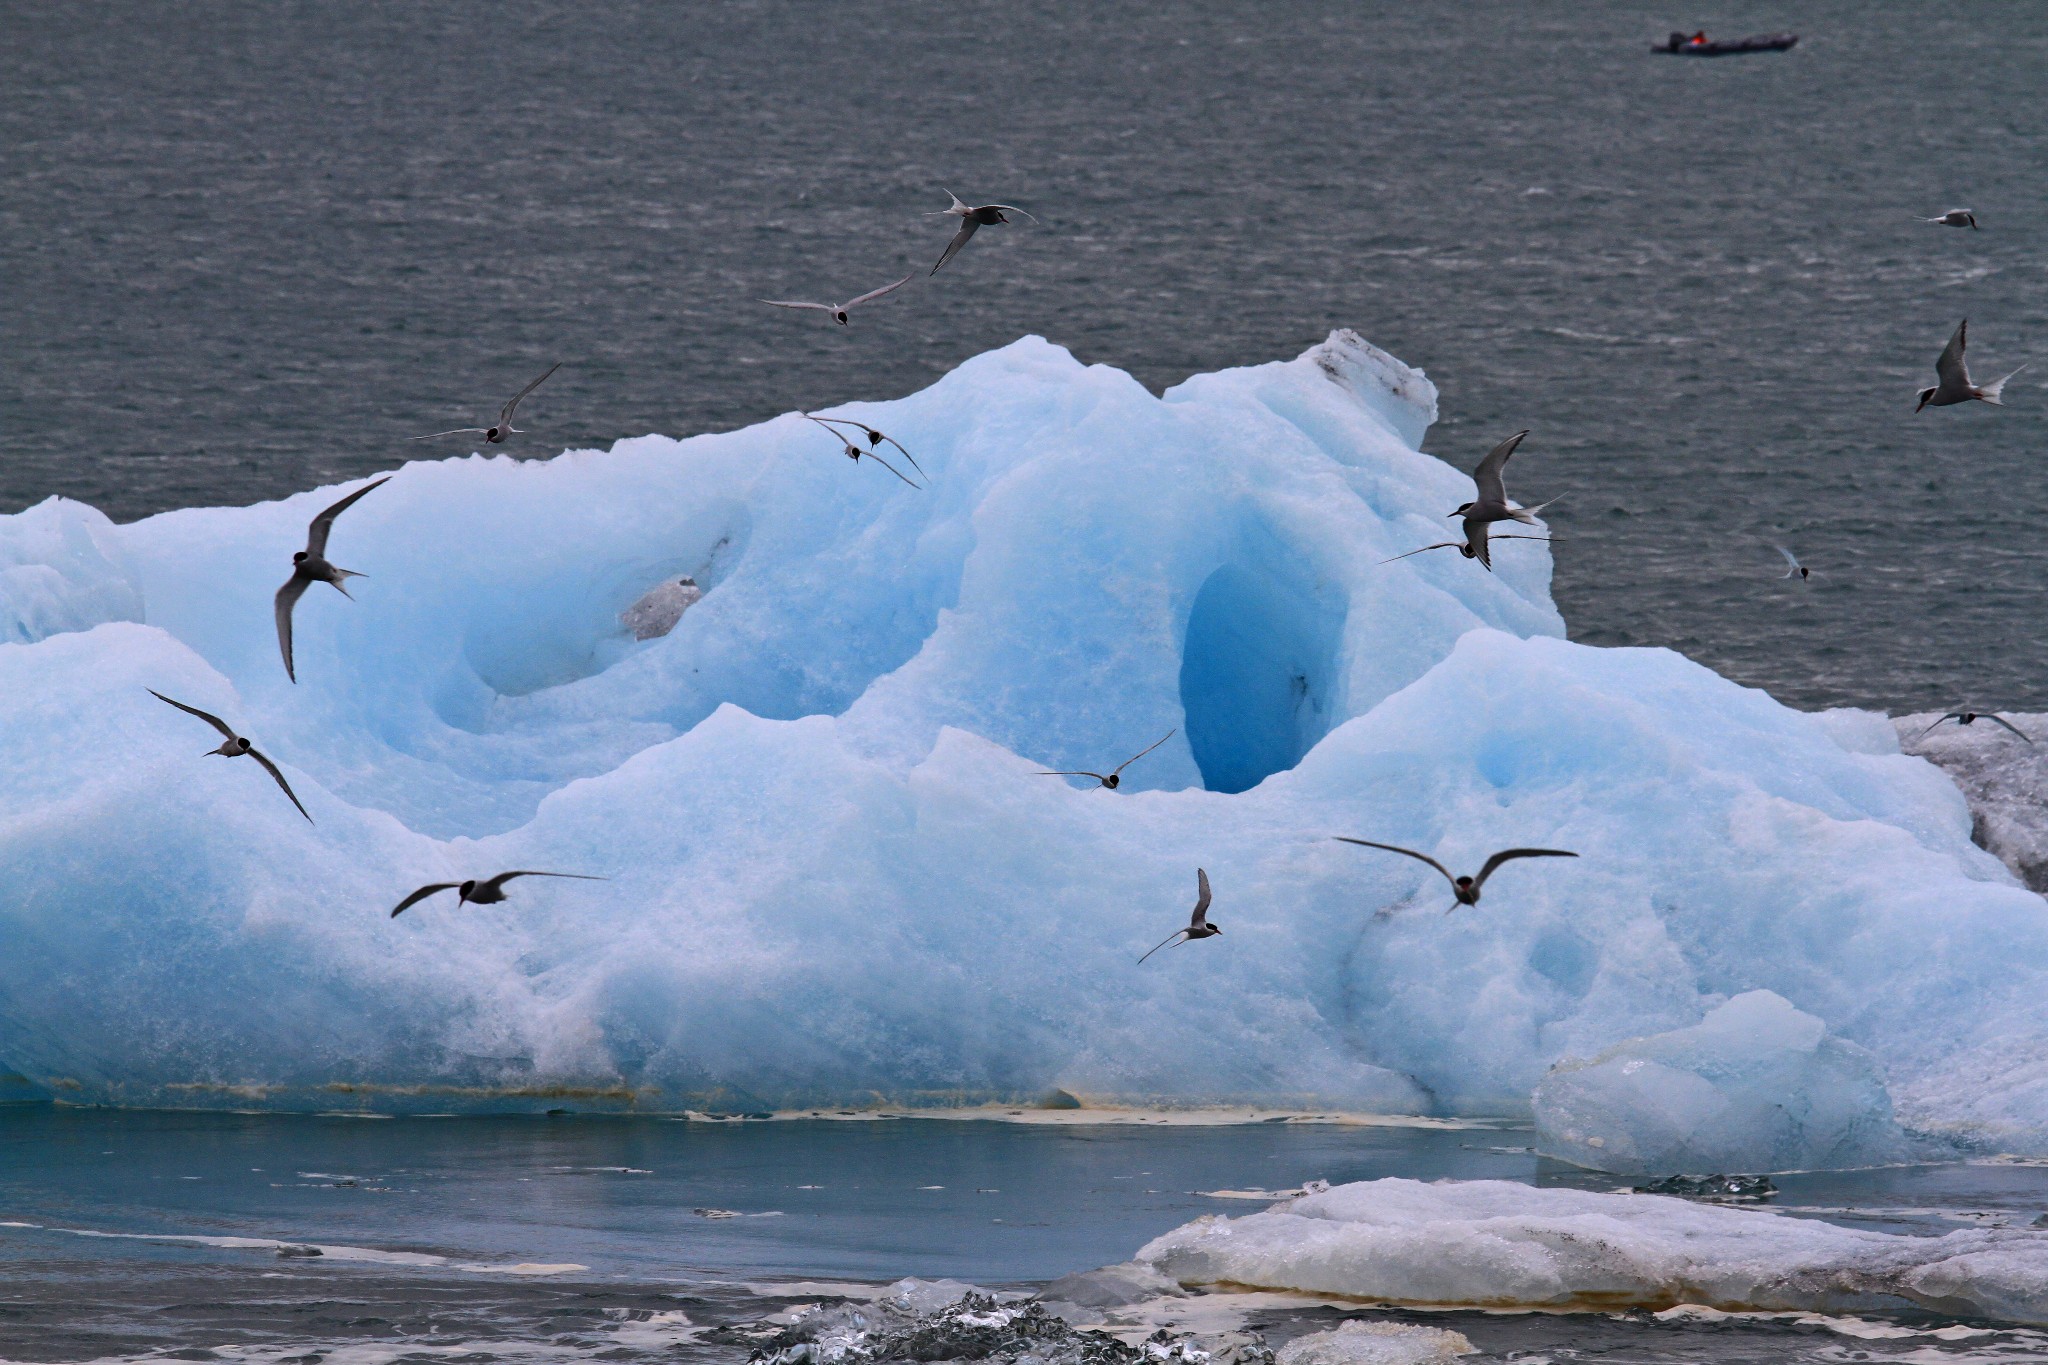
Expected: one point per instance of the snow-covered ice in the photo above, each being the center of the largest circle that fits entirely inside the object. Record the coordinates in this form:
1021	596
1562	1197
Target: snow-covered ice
836	877
1499	1244
1755	1086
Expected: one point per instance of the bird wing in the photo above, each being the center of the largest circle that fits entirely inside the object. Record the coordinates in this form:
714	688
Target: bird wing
321	526
829	427
215	721
1440	545
1497	859
271	768
1201	915
416	897
1791	560
1955	716
1492	485
1180	934
459	431
288	597
874	294
1950	369
498	882
1011	208
890	467
967	228
1146	750
1097	776
1396	848
906	454
1475	536
785	303
2010	726
505	414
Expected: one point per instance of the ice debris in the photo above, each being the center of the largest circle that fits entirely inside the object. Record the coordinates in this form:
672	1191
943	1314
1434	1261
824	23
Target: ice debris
943	1320
1376	1343
1498	1244
1715	1189
1757	1085
656	613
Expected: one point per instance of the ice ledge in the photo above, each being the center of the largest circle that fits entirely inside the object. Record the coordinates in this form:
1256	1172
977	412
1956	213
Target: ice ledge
1498	1244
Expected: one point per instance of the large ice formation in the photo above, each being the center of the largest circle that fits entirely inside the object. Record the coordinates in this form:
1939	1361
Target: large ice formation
1499	1244
1755	1086
836	875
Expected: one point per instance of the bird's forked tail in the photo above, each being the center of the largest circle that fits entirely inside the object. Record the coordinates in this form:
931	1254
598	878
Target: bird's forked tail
1990	392
1527	515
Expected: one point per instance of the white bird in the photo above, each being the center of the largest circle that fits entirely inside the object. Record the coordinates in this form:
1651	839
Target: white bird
234	746
971	216
1492	504
1464	547
1466	889
310	566
1198	923
838	311
1955	218
1954	376
1114	777
854	452
488	891
874	438
1971	718
503	427
1794	569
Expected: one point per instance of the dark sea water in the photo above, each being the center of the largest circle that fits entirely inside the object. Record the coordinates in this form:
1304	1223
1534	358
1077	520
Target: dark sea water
249	249
147	1235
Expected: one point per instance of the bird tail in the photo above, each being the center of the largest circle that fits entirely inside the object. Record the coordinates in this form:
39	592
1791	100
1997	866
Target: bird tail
1990	392
1527	515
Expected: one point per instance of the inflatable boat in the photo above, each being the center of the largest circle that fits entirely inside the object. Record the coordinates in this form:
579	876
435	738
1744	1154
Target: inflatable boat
1699	45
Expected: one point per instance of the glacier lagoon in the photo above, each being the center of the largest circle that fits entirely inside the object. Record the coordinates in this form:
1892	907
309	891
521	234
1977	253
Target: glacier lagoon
838	879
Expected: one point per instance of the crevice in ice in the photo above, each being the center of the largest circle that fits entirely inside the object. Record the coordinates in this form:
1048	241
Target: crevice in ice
1257	669
589	633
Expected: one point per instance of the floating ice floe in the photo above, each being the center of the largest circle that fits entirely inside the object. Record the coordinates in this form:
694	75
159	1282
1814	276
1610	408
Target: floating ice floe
1755	1086
837	879
1498	1244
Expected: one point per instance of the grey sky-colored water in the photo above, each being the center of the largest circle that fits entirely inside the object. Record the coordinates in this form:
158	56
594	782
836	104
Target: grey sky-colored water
244	250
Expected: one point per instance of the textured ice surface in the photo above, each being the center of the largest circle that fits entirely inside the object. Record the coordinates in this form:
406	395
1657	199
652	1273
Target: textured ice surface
835	873
2004	779
1375	1343
1491	1243
1755	1086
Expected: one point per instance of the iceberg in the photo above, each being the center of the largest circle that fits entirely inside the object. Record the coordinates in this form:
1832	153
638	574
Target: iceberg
837	876
1499	1244
1755	1086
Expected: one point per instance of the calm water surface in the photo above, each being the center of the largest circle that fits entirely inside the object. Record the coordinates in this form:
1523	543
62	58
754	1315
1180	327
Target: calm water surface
244	250
580	1238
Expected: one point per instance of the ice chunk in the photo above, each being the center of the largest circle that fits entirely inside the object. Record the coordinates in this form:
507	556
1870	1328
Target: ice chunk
1375	1343
1112	1286
62	568
2004	778
1497	1244
1755	1086
837	876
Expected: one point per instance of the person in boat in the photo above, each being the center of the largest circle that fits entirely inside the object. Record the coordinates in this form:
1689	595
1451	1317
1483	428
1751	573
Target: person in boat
1698	39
